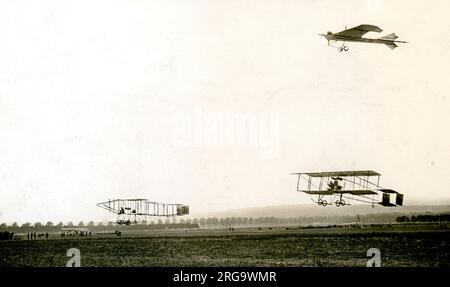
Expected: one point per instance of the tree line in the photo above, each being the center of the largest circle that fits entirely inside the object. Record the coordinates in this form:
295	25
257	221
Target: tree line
424	218
214	222
208	222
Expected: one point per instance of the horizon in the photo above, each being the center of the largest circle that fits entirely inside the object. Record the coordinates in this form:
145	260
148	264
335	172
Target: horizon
223	213
214	104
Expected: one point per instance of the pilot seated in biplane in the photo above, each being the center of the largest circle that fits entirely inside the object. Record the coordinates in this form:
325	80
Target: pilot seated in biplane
334	185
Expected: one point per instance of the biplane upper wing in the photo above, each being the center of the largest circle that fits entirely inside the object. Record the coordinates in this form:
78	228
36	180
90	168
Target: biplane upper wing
341	173
359	31
348	191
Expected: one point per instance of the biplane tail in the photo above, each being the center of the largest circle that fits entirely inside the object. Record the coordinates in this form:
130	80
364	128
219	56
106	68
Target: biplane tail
386	197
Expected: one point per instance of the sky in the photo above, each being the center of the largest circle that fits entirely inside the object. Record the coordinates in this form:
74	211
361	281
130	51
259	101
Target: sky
131	99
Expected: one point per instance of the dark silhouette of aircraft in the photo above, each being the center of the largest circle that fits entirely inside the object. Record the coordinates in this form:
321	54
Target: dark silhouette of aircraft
339	186
356	34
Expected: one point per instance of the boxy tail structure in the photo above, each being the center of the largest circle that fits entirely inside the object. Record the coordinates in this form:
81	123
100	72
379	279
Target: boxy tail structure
386	200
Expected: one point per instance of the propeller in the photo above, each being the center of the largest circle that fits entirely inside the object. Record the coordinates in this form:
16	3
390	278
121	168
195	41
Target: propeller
324	35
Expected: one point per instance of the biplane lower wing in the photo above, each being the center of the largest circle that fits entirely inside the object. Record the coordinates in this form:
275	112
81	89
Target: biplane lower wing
317	192
330	192
357	192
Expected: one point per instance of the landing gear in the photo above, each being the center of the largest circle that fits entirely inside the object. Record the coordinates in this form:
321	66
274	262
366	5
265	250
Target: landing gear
340	202
124	222
126	218
322	202
343	48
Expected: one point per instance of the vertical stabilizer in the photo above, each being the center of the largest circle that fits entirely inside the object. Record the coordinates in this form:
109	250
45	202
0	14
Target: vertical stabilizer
391	45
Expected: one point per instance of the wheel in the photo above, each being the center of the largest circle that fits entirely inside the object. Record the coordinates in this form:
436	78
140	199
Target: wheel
338	203
324	202
319	202
345	48
341	49
342	202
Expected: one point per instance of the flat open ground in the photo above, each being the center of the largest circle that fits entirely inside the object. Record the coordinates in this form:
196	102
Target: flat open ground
399	246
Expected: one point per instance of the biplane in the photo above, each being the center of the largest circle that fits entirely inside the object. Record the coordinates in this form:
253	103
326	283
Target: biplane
356	34
342	187
133	210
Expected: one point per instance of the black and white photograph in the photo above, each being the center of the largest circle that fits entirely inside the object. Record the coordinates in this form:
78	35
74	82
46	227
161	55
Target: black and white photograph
225	134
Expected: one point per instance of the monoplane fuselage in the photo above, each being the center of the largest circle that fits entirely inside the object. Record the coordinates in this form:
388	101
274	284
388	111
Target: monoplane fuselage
355	35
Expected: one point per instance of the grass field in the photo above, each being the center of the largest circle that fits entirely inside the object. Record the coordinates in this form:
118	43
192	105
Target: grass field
399	246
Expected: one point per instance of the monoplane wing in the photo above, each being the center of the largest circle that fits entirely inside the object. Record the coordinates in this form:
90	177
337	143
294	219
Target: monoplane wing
359	31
